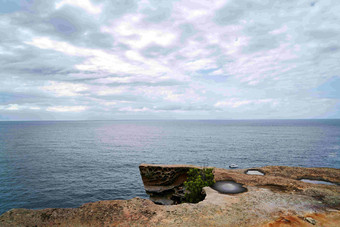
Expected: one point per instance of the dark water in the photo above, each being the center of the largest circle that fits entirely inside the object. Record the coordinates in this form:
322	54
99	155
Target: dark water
66	164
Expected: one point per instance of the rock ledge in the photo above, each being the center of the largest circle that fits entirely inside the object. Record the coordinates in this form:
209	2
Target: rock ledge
276	199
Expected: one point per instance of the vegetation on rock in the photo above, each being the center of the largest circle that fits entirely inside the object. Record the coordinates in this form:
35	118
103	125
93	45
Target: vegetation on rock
197	179
150	174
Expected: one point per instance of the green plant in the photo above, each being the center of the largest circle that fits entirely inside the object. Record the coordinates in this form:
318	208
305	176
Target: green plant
197	179
150	174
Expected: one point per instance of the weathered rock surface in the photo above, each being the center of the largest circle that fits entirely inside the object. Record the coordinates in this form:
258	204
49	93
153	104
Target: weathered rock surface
275	199
160	178
164	183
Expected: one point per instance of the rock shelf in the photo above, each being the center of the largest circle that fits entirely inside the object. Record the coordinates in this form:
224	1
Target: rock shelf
278	198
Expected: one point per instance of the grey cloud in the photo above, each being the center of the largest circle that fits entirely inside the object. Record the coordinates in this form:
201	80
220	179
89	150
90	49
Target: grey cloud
257	29
116	8
143	82
159	11
35	62
188	30
155	51
38	6
330	49
263	42
323	34
12	34
22	98
17	97
75	25
30	98
233	11
63	25
185	107
201	47
260	23
175	107
45	71
118	97
67	23
98	39
170	107
229	14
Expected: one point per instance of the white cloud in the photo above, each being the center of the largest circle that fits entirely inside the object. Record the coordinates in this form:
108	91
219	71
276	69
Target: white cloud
130	32
109	103
106	91
10	107
200	64
281	30
47	43
131	109
235	103
84	4
66	108
100	60
64	89
16	107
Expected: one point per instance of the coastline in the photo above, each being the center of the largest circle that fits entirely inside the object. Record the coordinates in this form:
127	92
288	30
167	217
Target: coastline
275	199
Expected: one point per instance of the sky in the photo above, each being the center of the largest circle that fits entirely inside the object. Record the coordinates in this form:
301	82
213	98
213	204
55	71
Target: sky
163	59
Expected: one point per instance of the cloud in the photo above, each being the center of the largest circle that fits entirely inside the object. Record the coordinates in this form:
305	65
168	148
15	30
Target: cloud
16	107
84	4
235	103
64	89
66	108
108	59
131	109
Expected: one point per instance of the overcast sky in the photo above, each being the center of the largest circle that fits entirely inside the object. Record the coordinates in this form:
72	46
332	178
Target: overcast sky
125	59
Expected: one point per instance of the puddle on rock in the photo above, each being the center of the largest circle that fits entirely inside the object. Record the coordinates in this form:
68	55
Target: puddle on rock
316	181
254	172
228	187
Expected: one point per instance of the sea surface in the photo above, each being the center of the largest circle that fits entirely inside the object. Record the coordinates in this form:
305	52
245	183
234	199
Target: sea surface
68	163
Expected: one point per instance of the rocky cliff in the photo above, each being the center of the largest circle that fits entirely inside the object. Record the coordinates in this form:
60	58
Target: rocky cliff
277	198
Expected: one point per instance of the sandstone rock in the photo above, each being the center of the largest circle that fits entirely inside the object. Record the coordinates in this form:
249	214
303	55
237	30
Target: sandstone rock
276	199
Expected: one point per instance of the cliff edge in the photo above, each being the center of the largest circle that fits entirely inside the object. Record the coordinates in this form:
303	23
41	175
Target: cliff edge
277	198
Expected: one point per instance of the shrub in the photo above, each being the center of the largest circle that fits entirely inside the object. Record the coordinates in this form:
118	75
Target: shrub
150	174
197	179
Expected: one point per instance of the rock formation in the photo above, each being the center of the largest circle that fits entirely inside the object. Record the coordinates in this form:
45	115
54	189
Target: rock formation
276	199
164	183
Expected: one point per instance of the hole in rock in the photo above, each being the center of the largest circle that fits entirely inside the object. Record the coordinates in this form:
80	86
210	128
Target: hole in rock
316	181
254	172
228	187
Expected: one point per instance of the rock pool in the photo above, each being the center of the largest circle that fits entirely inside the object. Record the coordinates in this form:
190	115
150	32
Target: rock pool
228	187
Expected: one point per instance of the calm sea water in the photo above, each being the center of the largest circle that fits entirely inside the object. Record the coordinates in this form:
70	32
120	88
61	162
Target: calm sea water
66	164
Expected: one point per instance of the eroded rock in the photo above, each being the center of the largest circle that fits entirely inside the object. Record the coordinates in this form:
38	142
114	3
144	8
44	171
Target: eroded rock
164	183
259	206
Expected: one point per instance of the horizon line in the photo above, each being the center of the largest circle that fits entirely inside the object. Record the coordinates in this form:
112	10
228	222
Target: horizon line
206	119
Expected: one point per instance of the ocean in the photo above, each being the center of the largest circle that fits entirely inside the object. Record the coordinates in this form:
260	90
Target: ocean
67	163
